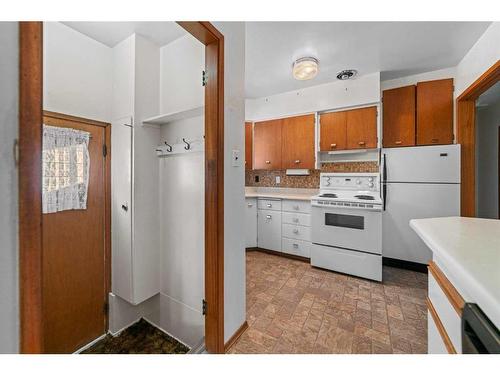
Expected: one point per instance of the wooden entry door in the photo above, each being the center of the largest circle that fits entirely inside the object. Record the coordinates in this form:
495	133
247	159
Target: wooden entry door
74	256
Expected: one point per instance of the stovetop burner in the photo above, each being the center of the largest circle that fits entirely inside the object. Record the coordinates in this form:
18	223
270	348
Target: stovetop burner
328	195
365	197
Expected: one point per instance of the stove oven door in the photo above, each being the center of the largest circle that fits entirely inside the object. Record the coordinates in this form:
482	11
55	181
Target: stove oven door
347	228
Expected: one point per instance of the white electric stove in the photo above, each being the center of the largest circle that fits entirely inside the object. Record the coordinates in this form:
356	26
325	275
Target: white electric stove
347	224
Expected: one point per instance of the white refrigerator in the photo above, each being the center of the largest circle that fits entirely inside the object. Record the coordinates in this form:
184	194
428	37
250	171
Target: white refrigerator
417	182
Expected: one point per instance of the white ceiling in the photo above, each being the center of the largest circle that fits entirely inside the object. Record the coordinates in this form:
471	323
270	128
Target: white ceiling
396	49
111	33
491	96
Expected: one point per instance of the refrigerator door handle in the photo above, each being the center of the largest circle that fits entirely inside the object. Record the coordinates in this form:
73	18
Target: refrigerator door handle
384	169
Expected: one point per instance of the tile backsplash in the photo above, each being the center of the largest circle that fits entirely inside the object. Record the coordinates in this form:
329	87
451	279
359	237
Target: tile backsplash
268	178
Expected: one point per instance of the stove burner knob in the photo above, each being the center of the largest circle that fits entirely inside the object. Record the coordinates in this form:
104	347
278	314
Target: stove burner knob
370	184
358	181
370	179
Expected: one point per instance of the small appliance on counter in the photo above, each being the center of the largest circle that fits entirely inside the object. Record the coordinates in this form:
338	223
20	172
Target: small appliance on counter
347	224
479	334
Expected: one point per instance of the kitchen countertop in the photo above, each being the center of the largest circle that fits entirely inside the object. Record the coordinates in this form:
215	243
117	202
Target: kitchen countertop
467	250
280	193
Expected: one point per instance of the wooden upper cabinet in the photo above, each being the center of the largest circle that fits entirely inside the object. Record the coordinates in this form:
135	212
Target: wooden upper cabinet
435	112
267	144
361	128
248	146
399	117
332	131
297	142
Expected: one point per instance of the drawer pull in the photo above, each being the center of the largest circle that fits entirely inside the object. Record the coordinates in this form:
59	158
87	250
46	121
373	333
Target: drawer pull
434	140
398	142
297	161
296	231
295	220
296	207
269	217
362	143
295	245
333	145
249	204
268	162
269	205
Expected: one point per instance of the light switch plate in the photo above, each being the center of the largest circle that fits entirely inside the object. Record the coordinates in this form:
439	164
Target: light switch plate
236	158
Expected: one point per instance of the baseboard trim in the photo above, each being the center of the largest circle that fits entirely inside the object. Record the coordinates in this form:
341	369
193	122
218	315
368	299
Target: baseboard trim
405	264
279	253
236	336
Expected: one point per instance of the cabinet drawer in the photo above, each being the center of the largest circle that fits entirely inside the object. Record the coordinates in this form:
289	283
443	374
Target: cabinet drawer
298	232
445	311
296	247
269	204
435	343
296	219
297	206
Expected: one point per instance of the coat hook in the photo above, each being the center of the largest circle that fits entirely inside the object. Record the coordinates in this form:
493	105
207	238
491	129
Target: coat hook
169	148
188	145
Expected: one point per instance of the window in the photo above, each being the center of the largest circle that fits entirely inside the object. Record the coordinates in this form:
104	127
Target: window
65	169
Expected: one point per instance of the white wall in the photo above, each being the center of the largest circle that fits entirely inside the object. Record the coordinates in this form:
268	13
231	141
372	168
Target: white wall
234	177
9	73
77	73
480	58
339	94
487	128
182	63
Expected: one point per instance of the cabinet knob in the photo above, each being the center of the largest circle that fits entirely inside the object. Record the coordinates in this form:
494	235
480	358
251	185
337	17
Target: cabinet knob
268	162
361	143
269	217
295	220
269	205
295	231
249	204
295	245
333	145
398	142
434	140
297	161
296	207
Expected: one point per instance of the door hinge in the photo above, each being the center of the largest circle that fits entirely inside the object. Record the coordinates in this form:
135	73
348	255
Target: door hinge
204	307
204	78
104	150
106	308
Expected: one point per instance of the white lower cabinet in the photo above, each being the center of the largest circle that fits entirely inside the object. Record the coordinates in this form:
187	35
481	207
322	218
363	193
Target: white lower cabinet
269	229
250	222
435	343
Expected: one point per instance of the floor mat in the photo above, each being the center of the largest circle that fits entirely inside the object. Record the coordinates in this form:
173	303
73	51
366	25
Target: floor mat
139	338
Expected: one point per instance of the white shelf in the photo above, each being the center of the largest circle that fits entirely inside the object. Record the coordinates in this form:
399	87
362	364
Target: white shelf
174	116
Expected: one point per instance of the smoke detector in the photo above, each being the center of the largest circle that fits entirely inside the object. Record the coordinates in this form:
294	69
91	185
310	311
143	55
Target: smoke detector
346	74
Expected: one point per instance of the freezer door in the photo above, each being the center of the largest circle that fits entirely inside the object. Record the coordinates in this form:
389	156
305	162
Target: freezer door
414	201
422	164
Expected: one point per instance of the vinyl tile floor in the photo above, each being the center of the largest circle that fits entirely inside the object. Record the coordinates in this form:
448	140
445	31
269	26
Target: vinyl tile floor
295	308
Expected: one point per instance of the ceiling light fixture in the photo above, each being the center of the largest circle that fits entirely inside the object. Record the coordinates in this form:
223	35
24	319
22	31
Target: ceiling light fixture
305	68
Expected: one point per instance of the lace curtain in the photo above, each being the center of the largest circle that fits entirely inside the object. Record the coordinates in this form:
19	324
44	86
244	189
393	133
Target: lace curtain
65	171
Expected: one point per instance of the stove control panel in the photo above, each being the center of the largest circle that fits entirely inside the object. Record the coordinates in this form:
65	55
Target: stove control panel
353	181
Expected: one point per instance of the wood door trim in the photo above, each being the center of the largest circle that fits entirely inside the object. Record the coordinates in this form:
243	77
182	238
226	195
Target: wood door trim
439	325
30	182
63	116
234	338
213	40
30	213
466	136
447	287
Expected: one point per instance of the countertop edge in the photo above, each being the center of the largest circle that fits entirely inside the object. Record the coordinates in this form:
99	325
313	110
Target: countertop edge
470	288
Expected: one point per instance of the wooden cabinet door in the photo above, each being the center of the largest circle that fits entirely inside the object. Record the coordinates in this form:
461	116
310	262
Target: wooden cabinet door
297	142
399	117
267	144
248	145
361	128
332	129
435	112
